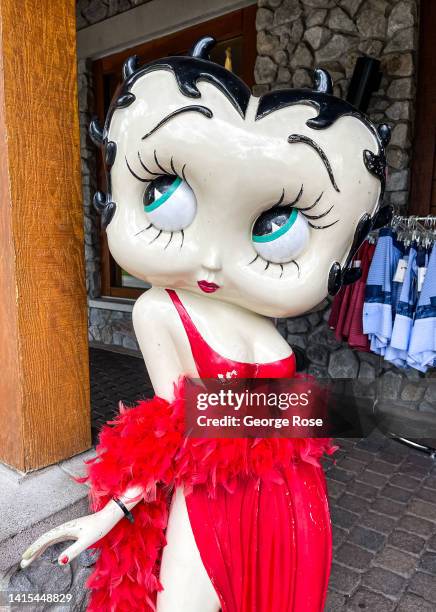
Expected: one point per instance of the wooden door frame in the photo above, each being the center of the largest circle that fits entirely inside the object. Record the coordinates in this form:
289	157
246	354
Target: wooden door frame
422	171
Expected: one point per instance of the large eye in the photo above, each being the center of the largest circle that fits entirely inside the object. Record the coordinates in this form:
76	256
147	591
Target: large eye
280	234
170	203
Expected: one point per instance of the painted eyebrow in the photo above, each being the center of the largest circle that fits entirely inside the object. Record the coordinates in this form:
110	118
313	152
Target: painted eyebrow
306	140
191	108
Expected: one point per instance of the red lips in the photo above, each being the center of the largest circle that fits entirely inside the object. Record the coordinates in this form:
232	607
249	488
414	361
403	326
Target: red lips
208	287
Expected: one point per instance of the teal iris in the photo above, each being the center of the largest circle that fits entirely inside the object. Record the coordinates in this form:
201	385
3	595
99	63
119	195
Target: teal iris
282	230
164	197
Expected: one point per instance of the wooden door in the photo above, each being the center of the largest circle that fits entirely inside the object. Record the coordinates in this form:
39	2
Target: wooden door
423	180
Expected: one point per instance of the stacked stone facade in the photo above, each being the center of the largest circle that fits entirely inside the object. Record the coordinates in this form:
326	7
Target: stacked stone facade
88	155
295	36
112	327
108	327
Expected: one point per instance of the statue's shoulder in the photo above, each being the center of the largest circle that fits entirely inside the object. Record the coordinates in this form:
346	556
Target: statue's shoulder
152	305
155	322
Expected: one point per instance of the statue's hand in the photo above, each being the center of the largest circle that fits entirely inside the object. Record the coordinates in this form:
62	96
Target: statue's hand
85	530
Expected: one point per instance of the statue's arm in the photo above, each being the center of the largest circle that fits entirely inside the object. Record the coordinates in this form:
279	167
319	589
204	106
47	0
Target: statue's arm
152	318
85	530
154	324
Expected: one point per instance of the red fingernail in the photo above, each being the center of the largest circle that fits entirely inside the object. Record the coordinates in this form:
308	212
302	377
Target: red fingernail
64	559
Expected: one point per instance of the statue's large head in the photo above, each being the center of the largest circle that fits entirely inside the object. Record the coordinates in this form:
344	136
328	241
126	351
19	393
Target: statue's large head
258	202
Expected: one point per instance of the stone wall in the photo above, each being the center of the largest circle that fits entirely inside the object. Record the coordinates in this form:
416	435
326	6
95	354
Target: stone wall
110	327
88	154
295	36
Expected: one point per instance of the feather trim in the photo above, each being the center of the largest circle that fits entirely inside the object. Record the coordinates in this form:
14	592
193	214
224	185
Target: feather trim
145	446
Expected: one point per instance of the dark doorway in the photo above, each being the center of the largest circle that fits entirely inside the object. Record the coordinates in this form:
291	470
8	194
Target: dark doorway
423	180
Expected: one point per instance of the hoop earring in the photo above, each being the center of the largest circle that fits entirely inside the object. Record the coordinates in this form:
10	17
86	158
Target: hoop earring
335	279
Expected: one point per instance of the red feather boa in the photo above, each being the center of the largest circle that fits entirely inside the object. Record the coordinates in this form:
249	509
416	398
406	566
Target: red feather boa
145	446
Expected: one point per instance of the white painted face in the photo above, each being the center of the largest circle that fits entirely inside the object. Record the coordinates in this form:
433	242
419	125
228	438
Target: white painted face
190	196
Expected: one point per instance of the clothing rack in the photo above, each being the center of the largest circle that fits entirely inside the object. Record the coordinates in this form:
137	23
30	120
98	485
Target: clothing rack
411	220
416	218
420	227
424	225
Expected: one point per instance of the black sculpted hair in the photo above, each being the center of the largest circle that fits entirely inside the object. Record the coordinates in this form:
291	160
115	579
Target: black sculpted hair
188	71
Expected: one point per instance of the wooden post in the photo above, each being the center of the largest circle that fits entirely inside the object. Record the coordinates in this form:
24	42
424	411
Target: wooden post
44	376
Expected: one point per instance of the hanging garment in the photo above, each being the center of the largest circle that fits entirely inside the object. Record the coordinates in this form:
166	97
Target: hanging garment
258	507
422	347
339	311
379	297
398	278
354	320
347	307
397	350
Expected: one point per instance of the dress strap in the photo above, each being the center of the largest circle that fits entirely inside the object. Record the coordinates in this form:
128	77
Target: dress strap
198	345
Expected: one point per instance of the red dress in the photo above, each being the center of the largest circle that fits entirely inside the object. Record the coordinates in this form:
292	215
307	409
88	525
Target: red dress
258	508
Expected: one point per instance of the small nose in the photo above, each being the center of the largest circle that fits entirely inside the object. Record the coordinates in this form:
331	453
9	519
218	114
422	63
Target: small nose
212	261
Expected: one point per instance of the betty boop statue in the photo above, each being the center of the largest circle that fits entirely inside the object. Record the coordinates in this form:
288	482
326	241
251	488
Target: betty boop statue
235	209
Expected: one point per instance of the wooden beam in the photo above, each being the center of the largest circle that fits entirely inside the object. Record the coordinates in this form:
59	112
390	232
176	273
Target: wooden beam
44	384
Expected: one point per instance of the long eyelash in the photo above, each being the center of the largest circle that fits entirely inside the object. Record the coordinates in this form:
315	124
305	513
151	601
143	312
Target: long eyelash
145	167
319	227
158	164
156	237
159	233
318	216
269	263
313	205
298	267
300	193
144	229
282	197
171	237
143	180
